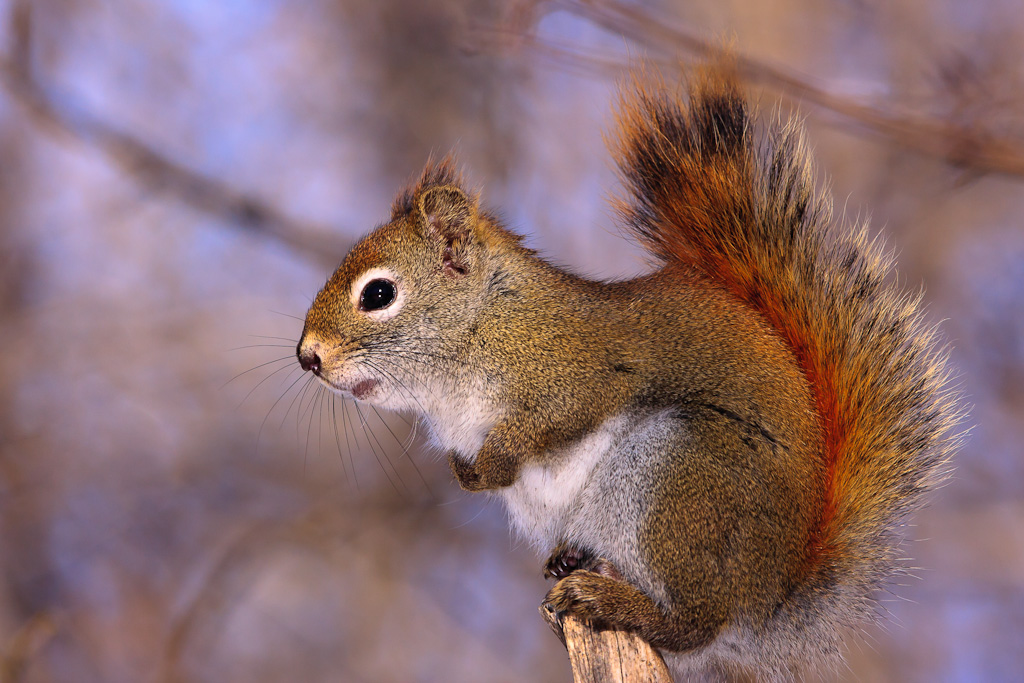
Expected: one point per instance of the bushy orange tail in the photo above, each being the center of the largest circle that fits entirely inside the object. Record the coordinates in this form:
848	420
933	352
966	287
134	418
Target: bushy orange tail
745	213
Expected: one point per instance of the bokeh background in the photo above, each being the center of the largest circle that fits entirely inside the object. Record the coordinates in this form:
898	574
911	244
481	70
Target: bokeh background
177	179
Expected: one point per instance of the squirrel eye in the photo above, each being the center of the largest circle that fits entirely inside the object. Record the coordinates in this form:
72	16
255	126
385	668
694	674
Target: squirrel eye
377	294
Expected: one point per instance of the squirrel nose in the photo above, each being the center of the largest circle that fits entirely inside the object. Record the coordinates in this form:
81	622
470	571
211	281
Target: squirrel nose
309	360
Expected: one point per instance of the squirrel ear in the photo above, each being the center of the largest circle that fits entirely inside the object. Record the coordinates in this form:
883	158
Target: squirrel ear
448	214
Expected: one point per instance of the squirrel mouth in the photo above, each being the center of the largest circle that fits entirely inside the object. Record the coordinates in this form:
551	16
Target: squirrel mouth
363	388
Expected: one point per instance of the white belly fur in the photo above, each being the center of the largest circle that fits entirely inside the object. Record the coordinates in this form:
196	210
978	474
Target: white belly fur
546	499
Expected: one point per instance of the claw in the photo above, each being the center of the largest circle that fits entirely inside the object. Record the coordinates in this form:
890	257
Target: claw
565	560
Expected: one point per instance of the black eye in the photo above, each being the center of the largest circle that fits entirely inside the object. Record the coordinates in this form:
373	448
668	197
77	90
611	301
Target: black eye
377	294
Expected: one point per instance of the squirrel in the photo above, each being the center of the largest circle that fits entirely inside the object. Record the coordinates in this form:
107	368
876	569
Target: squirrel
718	455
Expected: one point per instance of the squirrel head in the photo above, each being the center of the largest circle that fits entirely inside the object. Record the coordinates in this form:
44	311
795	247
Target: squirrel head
409	290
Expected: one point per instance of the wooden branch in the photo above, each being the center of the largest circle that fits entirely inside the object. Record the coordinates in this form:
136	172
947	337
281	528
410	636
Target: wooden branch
606	656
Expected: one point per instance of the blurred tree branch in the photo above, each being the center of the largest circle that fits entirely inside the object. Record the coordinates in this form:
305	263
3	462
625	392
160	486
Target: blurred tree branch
24	646
966	144
147	165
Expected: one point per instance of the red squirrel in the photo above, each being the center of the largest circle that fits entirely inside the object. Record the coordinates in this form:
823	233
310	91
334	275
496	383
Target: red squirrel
717	455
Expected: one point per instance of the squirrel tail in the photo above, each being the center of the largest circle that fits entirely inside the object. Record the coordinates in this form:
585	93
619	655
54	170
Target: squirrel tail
745	213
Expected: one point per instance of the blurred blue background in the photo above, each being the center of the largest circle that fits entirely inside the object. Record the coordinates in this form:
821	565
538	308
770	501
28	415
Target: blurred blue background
179	177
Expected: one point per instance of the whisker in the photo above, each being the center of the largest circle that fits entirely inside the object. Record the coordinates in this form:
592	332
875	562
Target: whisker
369	435
289	315
413	352
405	451
300	415
399	383
337	437
262	346
350	429
471	519
301	411
302	392
290	387
267	336
401	416
251	391
320	426
427	360
261	365
378	365
317	395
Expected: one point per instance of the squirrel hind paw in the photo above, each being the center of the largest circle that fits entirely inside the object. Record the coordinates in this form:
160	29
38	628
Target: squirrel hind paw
565	560
568	558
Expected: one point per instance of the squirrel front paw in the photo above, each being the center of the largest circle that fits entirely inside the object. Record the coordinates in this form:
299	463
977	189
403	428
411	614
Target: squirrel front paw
465	473
494	468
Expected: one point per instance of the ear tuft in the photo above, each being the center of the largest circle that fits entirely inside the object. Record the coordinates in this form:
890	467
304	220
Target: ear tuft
435	174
